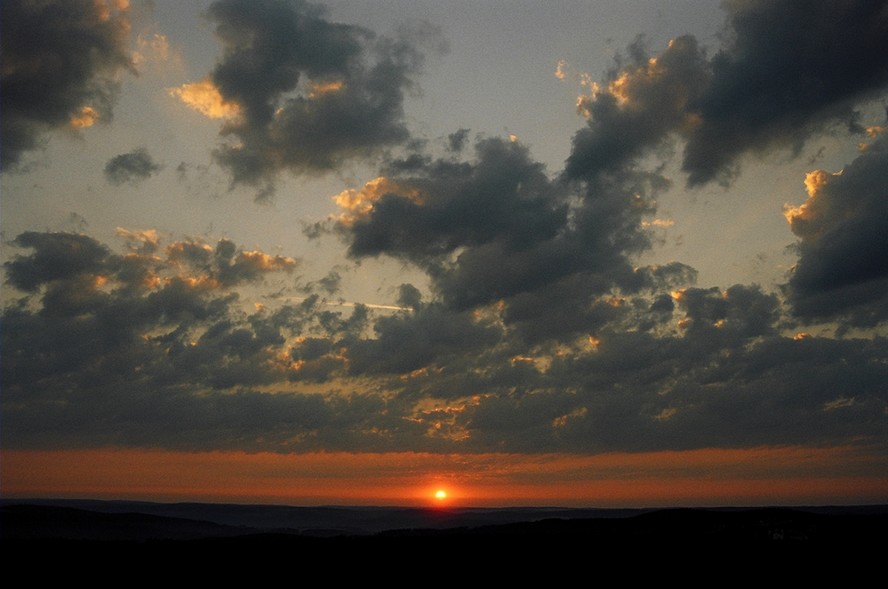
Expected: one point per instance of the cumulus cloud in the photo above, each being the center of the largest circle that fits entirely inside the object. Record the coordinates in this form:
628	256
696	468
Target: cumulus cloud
739	312
166	325
132	167
61	258
102	318
786	71
408	342
789	70
538	331
638	391
504	195
496	229
842	271
640	106
154	346
301	93
61	66
225	265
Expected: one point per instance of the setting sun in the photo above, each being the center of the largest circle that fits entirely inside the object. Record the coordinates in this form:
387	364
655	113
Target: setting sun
440	494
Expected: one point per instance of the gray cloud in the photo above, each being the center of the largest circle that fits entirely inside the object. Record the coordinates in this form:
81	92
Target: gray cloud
642	392
430	335
61	62
641	105
311	93
741	311
504	196
57	256
152	348
409	296
540	332
497	228
456	141
842	271
104	322
786	71
724	379
133	167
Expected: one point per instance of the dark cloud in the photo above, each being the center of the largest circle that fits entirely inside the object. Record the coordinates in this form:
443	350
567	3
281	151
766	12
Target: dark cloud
540	331
96	323
234	266
132	167
409	296
740	312
310	94
585	302
482	230
61	60
409	342
842	271
641	105
331	282
505	196
226	265
148	349
72	267
786	70
723	378
642	392
57	256
637	391
151	348
456	141
498	229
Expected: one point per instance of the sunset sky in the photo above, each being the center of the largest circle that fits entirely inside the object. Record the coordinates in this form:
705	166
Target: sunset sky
581	253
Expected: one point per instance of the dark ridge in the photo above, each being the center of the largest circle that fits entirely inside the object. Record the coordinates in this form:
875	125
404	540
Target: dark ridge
223	525
333	520
778	544
49	522
696	526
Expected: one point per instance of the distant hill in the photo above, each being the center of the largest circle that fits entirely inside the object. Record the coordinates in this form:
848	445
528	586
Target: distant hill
141	535
326	521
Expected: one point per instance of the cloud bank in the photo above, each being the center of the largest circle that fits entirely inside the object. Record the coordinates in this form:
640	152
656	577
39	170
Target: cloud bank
540	330
156	346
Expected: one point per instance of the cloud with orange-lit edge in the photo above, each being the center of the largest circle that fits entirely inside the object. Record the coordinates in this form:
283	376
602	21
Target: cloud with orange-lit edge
298	92
62	65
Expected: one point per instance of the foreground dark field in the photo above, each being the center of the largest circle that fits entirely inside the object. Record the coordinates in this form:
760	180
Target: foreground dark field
351	542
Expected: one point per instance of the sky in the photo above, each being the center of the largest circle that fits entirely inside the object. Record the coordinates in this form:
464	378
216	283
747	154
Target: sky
582	253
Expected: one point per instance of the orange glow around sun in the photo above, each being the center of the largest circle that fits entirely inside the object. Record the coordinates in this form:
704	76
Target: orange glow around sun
754	476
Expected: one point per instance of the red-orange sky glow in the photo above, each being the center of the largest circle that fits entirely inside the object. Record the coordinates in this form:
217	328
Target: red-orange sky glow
761	476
